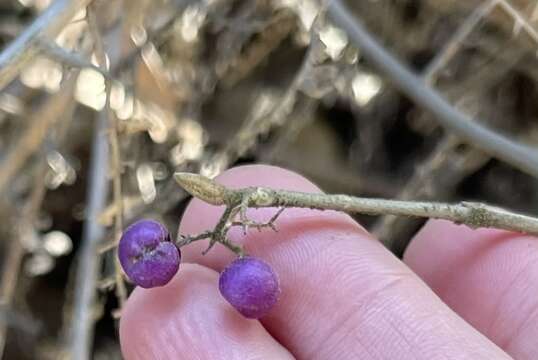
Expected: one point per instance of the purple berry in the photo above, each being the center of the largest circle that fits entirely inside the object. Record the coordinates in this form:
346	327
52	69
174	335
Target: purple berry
251	286
147	255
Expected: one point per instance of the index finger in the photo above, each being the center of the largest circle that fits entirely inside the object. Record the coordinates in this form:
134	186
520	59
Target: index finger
343	294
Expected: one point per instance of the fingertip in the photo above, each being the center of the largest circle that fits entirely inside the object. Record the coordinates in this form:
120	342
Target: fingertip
442	246
188	318
487	276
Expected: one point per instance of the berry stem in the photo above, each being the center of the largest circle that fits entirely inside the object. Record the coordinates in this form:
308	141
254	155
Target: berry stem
218	235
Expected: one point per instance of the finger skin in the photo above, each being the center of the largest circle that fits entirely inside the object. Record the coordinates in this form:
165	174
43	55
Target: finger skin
344	296
489	277
188	319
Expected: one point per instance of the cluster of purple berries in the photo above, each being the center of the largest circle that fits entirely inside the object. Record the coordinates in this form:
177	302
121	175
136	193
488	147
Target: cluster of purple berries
150	259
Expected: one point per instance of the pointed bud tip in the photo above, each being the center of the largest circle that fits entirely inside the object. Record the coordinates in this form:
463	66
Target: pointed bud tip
201	187
186	180
180	177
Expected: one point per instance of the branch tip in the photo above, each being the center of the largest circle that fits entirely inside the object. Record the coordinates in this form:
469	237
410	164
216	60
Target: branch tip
201	187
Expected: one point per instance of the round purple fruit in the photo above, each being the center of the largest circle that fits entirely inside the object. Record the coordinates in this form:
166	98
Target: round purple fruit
251	286
147	255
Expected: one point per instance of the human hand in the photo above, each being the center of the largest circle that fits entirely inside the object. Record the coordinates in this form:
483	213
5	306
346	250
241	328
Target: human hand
344	296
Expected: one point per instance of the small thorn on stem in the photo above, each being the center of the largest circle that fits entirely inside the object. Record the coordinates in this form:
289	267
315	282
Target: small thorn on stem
211	244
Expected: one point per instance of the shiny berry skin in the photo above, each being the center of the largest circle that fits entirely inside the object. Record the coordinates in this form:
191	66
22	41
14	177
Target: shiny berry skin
251	286
147	255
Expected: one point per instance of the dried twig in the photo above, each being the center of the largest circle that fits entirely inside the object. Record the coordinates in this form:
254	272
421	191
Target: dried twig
453	45
24	48
277	29
10	274
523	157
12	266
88	266
448	164
115	156
247	135
39	124
68	58
444	168
245	139
304	116
238	200
87	272
89	261
521	22
430	75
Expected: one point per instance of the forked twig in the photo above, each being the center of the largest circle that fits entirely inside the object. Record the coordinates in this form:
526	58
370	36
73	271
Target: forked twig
24	48
421	184
472	214
40	123
68	58
521	22
523	157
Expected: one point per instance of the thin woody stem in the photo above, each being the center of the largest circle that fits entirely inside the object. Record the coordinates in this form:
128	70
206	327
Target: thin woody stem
469	213
523	157
15	56
115	154
182	241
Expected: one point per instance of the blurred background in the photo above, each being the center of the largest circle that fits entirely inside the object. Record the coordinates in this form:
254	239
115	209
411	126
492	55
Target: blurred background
203	85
